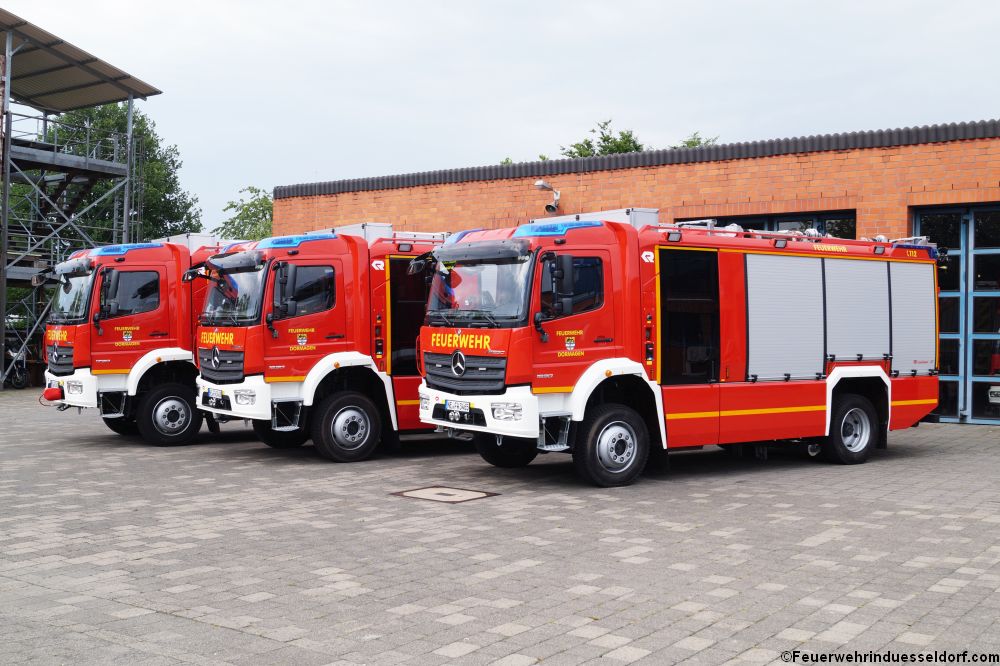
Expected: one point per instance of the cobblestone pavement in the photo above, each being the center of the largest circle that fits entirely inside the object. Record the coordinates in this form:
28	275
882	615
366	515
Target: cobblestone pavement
230	552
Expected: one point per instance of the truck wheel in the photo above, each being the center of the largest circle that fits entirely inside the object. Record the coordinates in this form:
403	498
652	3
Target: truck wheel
612	446
852	430
167	415
122	425
347	427
278	439
514	452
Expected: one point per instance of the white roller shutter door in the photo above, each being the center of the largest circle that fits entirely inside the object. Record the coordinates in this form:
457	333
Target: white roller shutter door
914	343
857	309
784	316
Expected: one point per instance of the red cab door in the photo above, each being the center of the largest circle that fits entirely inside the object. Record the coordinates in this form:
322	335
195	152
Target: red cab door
313	324
134	317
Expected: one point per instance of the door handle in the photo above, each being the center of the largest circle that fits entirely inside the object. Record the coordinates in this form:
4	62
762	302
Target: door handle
158	334
603	340
334	336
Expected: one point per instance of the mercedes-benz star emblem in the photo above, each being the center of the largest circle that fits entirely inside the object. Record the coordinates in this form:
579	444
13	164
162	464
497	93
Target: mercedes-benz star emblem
458	364
215	358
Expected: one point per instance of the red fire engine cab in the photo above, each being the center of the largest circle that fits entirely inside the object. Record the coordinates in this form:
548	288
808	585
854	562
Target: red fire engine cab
603	335
119	337
315	336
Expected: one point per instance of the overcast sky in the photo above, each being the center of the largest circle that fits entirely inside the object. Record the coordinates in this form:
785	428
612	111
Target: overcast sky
273	93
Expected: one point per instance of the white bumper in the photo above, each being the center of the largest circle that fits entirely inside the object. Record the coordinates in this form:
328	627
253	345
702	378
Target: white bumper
527	426
263	395
85	386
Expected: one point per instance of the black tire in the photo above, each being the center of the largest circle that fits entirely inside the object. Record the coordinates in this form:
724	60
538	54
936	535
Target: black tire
612	446
168	415
853	430
214	426
347	427
514	452
278	439
123	426
19	379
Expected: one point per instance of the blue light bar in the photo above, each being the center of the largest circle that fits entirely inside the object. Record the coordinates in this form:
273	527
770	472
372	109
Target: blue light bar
281	242
552	228
455	237
931	250
116	250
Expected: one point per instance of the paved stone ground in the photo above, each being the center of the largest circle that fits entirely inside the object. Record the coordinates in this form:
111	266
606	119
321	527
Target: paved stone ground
230	552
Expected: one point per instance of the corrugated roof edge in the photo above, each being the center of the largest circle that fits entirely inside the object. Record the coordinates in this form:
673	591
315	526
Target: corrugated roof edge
904	136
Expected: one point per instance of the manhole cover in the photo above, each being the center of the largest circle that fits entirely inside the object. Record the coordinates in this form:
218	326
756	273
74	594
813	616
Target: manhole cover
445	494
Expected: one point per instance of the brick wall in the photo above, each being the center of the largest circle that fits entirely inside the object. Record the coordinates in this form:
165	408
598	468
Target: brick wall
880	184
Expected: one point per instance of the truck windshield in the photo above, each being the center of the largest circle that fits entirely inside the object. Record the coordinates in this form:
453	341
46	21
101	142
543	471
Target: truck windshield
488	292
70	301
234	298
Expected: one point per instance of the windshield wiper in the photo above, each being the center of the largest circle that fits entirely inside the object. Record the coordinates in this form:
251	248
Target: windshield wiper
484	313
440	313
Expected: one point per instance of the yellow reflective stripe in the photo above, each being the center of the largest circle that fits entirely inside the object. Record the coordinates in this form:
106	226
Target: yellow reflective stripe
407	402
294	378
109	371
926	401
552	389
746	412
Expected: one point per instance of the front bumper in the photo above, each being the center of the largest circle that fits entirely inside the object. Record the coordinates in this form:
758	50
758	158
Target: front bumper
86	386
527	426
264	395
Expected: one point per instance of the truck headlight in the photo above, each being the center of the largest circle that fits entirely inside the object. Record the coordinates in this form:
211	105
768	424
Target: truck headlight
506	411
245	397
74	388
425	402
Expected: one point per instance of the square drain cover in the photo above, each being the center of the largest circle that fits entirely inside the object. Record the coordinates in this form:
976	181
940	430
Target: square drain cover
445	494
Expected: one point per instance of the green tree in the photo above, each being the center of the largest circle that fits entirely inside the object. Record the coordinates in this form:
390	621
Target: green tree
252	217
164	208
696	140
604	142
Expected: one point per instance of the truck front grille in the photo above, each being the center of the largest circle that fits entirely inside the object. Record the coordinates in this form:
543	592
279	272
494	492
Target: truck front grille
60	359
483	374
221	366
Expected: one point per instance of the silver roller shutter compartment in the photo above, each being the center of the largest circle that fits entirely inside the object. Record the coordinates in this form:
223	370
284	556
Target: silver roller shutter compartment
784	316
914	343
857	309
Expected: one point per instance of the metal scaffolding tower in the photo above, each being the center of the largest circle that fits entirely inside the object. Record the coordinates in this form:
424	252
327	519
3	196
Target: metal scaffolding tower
64	187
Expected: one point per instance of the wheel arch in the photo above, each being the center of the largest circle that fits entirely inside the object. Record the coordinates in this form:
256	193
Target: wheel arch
161	365
623	381
355	372
868	381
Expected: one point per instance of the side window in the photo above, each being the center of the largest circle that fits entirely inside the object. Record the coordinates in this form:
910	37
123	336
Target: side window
314	289
588	287
138	292
689	317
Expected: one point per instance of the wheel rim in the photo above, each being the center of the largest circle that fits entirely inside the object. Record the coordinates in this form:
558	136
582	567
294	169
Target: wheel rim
171	416
855	430
616	447
350	428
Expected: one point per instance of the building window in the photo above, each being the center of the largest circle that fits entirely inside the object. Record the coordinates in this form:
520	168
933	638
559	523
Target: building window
841	224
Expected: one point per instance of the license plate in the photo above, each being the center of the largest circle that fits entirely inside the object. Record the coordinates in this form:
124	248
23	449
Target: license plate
214	393
995	395
456	406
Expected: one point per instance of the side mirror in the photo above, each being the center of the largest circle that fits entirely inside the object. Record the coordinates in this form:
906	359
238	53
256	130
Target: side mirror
416	267
108	305
97	323
563	284
284	289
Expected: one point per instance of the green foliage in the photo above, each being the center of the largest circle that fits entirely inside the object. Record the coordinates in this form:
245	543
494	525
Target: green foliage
166	208
696	140
606	143
507	161
252	217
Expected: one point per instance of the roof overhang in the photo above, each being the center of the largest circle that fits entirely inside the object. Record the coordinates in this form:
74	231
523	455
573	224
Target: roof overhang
50	74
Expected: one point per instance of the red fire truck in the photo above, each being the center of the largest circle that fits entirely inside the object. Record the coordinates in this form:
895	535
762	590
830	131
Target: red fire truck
119	337
603	335
315	336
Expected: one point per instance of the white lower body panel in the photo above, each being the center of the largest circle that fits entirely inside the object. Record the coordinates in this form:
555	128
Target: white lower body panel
86	386
263	395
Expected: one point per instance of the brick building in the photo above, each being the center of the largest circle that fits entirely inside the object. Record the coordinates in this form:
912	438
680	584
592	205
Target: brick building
942	181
